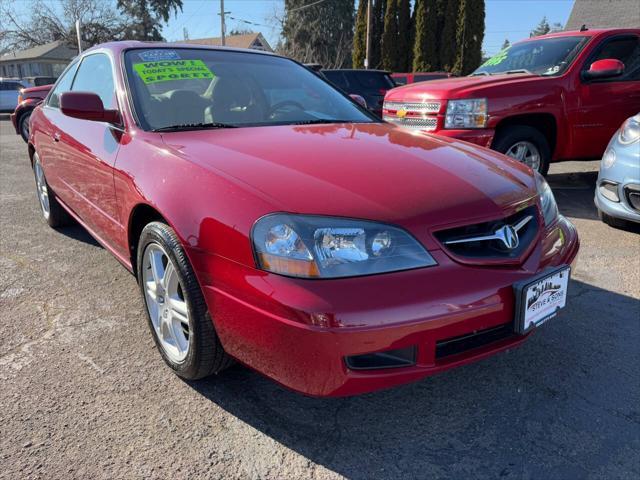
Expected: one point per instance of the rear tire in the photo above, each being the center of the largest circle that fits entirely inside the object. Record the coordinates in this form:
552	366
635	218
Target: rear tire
177	315
54	214
23	126
510	138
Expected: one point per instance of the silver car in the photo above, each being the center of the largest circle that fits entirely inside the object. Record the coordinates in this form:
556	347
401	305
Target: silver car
618	187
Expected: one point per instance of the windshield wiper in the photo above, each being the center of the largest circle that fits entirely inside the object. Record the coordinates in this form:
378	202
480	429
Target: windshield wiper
193	126
317	121
476	74
518	70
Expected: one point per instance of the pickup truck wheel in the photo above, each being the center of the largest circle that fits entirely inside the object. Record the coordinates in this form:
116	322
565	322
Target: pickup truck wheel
24	126
52	211
525	144
176	310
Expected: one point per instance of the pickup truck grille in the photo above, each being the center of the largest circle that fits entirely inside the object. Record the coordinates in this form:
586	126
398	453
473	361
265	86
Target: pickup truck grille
412	115
490	240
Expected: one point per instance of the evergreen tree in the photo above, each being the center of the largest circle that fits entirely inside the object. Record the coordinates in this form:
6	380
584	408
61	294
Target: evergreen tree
404	43
506	44
425	46
377	27
542	29
147	17
469	36
448	35
390	37
320	33
360	36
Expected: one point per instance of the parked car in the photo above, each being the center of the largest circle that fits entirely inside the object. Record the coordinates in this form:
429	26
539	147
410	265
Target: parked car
40	81
9	91
270	219
406	78
28	99
372	85
618	188
555	97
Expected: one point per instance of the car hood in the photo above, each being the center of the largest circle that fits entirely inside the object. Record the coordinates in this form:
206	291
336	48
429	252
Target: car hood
372	171
458	87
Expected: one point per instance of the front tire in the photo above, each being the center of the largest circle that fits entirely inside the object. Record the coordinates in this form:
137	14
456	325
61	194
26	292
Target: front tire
525	144
52	211
176	311
23	126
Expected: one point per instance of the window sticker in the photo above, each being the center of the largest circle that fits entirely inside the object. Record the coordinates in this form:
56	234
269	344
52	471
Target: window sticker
496	59
166	71
158	55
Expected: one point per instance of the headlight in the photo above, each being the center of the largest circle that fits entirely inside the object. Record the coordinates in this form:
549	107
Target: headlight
471	113
327	247
547	200
609	158
630	130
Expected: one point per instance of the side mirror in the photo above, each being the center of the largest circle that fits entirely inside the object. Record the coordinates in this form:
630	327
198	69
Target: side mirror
87	106
358	99
606	68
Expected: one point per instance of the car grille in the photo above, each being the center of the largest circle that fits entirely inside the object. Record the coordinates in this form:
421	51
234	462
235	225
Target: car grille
632	194
415	116
488	240
464	343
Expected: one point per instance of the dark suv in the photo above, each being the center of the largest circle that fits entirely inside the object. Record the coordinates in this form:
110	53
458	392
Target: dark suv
371	85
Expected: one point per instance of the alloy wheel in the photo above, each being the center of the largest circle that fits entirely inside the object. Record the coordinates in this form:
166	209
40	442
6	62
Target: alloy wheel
43	191
527	153
166	303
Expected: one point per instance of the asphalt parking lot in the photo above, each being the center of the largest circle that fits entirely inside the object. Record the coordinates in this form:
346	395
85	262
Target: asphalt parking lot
84	394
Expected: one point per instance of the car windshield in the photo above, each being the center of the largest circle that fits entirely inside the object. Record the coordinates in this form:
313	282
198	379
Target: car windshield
546	56
198	88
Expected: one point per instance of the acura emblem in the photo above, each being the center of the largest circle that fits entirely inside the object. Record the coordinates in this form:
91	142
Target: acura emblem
508	235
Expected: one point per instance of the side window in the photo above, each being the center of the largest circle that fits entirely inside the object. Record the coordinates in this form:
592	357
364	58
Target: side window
95	75
625	49
64	85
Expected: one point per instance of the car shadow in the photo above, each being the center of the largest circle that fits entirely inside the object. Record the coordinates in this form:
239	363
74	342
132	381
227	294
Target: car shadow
574	193
78	232
529	412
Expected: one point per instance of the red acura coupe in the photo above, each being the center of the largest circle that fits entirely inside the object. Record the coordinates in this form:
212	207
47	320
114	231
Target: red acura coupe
272	220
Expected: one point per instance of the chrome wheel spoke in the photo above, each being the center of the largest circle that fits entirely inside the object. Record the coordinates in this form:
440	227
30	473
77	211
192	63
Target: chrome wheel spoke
527	153
178	309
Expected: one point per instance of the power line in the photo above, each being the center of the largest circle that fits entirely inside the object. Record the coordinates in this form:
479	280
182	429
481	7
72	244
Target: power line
305	6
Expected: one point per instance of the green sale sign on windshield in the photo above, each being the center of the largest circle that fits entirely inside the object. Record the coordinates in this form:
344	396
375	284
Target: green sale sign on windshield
165	71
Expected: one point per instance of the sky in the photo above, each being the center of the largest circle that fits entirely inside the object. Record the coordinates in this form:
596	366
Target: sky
512	19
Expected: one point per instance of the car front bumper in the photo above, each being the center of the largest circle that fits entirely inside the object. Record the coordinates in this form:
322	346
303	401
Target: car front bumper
298	332
482	137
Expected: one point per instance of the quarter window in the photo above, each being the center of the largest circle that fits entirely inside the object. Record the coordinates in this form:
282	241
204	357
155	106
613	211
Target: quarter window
95	75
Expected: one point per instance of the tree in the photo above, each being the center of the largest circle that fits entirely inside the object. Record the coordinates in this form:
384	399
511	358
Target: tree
390	37
506	44
318	32
542	29
360	36
146	17
404	42
377	27
447	37
425	45
100	23
469	36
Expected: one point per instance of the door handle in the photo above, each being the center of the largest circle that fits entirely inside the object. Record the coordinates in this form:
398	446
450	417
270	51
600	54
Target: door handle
56	137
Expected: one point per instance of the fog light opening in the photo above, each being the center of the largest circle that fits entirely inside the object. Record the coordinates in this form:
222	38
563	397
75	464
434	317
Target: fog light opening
609	190
402	357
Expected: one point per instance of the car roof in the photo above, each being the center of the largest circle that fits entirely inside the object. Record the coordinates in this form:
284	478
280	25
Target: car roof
344	70
120	46
583	33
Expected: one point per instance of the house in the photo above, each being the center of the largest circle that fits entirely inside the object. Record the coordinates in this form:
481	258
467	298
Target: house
48	60
604	14
255	41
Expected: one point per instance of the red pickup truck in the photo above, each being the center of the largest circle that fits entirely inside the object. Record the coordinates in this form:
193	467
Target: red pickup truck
555	97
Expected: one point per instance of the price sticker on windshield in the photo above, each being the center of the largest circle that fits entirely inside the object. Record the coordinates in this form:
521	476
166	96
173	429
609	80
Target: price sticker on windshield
166	71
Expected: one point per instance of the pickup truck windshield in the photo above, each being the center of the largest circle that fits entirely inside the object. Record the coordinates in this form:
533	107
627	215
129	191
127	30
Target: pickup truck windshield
185	88
546	56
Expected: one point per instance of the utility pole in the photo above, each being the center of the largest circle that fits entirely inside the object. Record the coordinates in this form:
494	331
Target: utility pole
79	36
222	12
368	52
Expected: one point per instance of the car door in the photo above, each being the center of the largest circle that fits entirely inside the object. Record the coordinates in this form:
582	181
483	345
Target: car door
605	104
89	150
9	92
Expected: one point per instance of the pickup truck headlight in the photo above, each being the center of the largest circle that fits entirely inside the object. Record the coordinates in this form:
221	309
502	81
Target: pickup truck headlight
630	130
326	247
547	200
469	113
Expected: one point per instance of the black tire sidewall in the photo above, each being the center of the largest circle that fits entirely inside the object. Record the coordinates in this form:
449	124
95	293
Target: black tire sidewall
509	136
24	118
163	235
